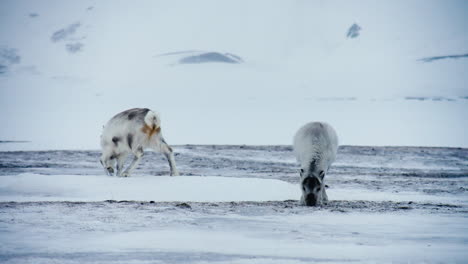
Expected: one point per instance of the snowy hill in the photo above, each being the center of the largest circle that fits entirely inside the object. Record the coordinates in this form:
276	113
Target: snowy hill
67	67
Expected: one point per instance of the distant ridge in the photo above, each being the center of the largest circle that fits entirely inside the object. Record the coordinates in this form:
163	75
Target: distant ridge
431	59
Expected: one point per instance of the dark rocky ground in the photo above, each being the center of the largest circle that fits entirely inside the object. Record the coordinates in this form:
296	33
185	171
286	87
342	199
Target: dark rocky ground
426	170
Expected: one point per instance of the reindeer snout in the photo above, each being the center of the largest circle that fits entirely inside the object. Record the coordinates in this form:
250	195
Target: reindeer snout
311	200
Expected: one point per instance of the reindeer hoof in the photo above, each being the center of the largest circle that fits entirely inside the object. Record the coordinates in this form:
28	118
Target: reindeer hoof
125	174
110	171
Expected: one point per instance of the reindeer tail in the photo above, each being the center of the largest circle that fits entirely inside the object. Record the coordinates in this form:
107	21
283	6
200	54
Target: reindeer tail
152	120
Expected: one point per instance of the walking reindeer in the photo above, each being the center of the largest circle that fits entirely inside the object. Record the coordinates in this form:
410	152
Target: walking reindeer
132	131
315	147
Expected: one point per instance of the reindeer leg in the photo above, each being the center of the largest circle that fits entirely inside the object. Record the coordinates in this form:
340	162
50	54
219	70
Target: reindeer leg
138	154
107	162
120	163
167	151
324	196
302	200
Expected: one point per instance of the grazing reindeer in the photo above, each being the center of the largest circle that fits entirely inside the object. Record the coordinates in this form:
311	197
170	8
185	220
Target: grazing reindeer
131	132
315	146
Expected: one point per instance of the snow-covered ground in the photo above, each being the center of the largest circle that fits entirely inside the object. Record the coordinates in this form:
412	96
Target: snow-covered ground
34	187
235	204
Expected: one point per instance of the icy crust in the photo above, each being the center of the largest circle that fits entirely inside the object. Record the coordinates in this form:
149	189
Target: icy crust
91	188
252	208
35	187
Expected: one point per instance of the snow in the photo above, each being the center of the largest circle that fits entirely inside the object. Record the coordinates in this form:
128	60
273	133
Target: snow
260	242
35	187
90	188
234	204
134	233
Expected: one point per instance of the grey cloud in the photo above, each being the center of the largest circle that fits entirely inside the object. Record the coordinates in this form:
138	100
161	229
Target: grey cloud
28	69
74	47
354	31
8	57
197	57
211	57
65	33
429	98
177	53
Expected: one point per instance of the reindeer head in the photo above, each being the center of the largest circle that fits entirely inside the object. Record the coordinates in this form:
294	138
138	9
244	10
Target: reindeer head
107	163
312	184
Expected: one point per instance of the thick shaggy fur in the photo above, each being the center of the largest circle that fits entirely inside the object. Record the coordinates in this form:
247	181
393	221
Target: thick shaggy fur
315	147
132	131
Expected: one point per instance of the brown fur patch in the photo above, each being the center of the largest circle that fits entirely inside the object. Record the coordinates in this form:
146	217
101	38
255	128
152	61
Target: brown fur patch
150	131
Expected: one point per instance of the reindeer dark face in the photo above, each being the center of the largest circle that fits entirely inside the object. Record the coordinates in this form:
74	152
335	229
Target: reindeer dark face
311	190
312	186
106	162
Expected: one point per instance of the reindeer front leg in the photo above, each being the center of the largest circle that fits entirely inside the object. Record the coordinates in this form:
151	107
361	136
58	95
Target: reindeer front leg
120	163
138	154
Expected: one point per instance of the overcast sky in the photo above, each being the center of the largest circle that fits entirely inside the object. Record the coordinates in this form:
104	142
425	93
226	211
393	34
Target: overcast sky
66	67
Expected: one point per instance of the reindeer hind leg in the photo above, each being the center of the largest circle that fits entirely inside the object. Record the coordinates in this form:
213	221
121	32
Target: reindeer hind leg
167	151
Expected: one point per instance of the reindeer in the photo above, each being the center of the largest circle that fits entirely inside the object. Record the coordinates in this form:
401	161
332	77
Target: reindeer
132	131
315	147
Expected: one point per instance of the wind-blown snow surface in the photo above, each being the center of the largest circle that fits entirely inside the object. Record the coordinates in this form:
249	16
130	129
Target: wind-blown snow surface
34	187
235	204
79	63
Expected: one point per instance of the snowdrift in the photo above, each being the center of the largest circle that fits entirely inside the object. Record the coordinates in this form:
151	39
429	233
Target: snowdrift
30	187
35	187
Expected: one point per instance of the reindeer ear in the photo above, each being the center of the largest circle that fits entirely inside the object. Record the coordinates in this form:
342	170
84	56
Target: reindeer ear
322	174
